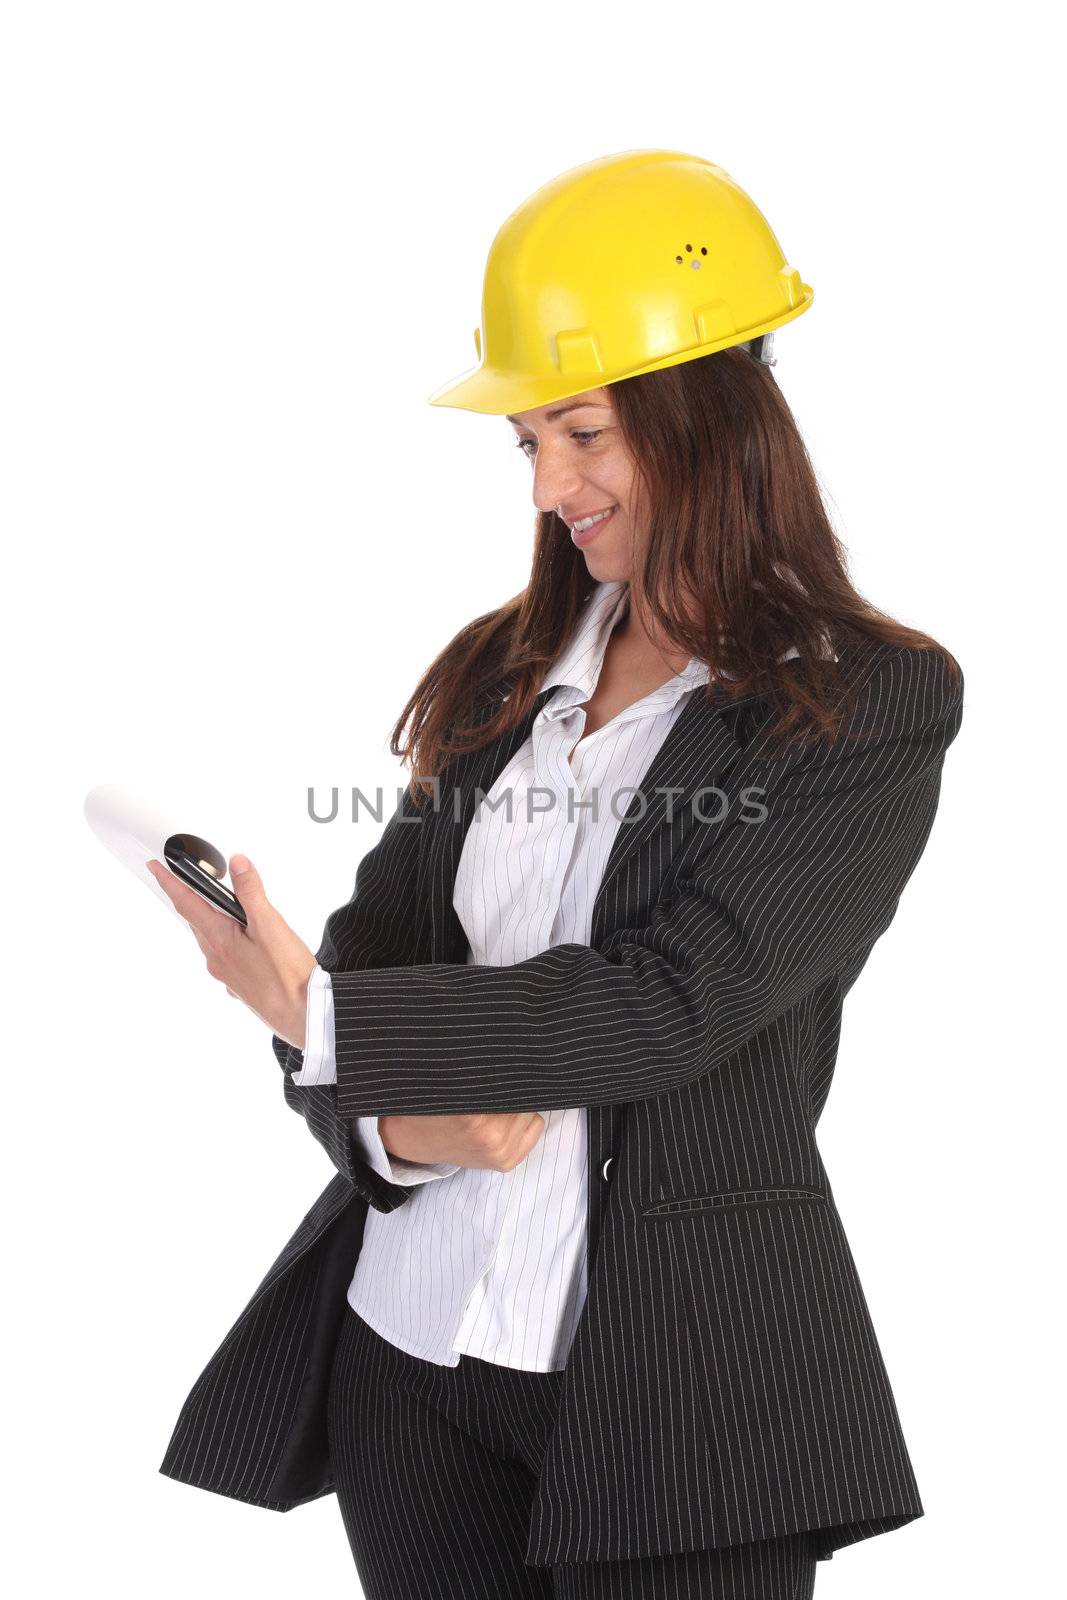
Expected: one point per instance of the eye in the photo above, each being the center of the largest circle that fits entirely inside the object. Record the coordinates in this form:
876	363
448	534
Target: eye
586	435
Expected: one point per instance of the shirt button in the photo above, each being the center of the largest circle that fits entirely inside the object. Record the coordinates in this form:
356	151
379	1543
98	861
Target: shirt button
604	1168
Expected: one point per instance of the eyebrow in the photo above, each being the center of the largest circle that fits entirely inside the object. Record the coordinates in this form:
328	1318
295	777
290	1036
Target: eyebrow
575	405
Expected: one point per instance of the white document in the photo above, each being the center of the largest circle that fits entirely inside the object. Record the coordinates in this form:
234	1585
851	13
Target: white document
137	831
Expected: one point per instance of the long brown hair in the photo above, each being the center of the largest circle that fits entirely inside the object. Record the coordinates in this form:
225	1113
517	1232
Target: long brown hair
740	563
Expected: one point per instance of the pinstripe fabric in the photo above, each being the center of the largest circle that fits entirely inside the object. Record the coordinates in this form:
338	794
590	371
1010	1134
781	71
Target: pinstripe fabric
447	1521
725	1384
493	1264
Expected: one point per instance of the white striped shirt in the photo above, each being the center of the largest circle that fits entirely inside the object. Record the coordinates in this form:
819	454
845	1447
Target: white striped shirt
478	1262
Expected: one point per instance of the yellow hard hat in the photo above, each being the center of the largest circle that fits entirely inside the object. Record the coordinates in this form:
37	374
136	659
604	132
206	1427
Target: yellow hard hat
622	265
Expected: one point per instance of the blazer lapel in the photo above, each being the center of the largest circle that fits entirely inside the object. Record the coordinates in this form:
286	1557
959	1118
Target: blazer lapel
699	747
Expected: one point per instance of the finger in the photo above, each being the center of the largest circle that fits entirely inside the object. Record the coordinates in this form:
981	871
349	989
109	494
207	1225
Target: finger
532	1134
166	880
183	899
248	887
201	917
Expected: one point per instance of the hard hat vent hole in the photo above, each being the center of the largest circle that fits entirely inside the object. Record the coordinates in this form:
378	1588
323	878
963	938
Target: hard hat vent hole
689	251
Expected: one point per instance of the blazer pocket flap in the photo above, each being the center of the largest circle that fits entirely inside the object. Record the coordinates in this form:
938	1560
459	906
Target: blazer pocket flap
680	1205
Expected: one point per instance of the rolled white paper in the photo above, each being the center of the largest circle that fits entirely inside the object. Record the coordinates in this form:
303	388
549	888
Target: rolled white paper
136	831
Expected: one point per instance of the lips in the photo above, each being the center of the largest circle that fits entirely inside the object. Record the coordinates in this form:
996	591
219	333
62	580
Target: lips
599	512
587	534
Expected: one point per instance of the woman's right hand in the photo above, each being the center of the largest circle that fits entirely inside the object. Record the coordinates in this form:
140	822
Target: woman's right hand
498	1140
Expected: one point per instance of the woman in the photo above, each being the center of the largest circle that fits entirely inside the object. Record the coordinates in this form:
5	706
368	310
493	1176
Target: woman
578	1316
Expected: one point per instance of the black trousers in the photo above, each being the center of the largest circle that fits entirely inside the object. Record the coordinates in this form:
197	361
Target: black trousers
436	1469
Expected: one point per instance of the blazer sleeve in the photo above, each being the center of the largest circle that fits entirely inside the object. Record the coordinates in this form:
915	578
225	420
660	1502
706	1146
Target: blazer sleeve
372	929
319	1069
762	913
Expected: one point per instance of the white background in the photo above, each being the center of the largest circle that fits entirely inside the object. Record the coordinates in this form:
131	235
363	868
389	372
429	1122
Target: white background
243	244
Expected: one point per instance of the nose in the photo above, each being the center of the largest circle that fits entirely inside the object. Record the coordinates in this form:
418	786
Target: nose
556	480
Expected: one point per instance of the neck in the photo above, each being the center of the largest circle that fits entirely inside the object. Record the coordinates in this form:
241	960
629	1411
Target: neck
631	632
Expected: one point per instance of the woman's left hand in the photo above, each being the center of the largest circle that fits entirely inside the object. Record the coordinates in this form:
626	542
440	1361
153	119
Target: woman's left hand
266	965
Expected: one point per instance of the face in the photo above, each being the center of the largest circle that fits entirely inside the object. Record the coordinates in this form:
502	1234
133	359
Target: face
581	465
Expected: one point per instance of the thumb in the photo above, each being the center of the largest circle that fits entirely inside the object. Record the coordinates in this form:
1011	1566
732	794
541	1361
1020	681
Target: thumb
248	886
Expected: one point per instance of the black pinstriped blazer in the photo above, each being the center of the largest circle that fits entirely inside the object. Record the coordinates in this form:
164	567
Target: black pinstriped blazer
725	1383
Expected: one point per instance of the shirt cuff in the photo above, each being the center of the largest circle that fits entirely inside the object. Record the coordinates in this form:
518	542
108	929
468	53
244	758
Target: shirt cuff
320	1064
368	1141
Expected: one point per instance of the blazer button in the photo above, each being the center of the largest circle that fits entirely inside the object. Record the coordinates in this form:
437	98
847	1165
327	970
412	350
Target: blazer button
604	1168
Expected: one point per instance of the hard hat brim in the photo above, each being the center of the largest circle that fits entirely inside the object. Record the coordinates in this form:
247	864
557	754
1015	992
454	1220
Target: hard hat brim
493	393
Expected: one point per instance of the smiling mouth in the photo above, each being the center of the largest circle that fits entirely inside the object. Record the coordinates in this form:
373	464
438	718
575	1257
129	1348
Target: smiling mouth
588	515
582	535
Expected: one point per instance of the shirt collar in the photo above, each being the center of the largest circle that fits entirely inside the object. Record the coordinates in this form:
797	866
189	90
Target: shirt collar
577	666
